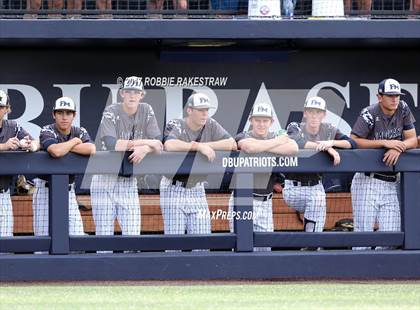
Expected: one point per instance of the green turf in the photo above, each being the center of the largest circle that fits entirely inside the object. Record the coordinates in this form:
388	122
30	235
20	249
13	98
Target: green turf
249	296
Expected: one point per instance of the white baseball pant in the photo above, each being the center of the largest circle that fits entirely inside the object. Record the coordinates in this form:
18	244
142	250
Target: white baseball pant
6	215
374	201
40	210
184	208
114	197
310	200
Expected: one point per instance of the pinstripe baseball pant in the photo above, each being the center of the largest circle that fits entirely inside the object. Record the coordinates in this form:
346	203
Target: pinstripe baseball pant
374	201
184	208
115	197
6	215
40	210
262	217
310	200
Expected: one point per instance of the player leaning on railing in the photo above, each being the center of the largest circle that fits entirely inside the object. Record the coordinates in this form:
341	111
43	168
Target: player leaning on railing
182	197
257	140
126	126
59	139
387	124
305	192
12	137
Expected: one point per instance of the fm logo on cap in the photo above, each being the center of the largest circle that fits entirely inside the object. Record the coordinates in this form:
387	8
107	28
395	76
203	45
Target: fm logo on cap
394	86
315	102
64	103
262	109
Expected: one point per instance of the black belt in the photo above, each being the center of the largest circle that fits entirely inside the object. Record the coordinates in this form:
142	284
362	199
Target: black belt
3	190
305	183
382	177
184	184
263	197
47	185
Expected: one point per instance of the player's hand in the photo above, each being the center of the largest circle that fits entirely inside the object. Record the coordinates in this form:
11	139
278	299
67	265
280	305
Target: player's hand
77	141
156	146
12	144
206	151
334	154
391	157
324	145
139	152
25	143
396	145
282	139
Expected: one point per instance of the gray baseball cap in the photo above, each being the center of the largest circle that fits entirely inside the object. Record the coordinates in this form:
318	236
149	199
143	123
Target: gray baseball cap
261	109
199	101
316	103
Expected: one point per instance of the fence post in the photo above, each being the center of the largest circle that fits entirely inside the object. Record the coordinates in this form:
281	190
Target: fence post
410	209
244	205
58	204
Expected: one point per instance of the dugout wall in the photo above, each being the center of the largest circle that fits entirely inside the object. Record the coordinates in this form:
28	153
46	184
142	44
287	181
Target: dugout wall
43	59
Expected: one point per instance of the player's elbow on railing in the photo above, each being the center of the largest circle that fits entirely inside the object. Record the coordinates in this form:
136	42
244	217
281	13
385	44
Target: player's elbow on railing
55	152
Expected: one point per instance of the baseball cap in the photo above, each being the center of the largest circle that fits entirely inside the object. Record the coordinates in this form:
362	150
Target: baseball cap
389	87
262	109
199	101
64	103
134	83
316	103
4	99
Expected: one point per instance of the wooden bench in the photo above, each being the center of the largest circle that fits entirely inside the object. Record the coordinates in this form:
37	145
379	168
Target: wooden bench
285	218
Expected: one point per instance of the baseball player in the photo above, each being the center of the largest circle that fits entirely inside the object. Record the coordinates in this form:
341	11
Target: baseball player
387	124
261	139
182	198
305	192
59	139
127	126
12	138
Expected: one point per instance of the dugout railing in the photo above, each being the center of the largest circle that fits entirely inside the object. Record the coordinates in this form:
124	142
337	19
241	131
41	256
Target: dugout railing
243	239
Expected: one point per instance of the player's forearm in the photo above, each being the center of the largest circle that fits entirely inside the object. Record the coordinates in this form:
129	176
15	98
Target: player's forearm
411	143
310	145
123	145
84	149
251	145
60	149
140	142
175	145
223	145
289	148
368	144
342	144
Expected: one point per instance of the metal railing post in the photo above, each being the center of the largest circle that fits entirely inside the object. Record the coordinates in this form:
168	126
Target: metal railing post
410	209
243	201
58	204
